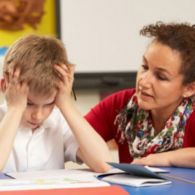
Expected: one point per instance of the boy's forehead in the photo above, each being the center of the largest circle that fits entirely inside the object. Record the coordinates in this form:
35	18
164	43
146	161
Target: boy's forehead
41	98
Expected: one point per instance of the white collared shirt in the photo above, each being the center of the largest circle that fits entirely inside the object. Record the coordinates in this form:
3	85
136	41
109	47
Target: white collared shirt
48	147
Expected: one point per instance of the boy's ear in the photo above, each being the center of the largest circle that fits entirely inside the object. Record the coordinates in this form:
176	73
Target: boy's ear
2	85
189	90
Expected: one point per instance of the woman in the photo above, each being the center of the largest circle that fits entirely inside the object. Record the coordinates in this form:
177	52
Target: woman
153	122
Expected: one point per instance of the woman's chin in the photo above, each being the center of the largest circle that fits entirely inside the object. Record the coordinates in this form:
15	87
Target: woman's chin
144	105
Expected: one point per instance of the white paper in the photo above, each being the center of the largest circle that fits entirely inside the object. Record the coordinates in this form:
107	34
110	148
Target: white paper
115	171
135	181
51	173
156	169
119	176
54	179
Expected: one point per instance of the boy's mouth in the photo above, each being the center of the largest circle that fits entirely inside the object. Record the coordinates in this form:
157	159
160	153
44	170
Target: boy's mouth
34	124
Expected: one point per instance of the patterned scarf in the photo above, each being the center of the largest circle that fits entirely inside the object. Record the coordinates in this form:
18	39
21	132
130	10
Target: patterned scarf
135	125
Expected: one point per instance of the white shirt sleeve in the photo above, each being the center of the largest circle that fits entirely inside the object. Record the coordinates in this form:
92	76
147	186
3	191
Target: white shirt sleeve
71	147
70	144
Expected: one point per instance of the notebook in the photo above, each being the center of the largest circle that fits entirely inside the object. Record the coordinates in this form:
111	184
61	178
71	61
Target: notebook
134	175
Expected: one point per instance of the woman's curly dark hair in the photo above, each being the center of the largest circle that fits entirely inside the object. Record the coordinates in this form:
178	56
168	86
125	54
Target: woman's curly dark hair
180	37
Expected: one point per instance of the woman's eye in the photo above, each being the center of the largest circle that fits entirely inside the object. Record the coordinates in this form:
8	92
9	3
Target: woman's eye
161	77
144	67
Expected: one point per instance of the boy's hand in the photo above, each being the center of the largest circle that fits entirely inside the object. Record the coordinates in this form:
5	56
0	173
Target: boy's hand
66	75
16	92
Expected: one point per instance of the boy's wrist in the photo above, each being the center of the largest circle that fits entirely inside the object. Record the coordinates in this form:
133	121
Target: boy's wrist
63	101
15	109
67	104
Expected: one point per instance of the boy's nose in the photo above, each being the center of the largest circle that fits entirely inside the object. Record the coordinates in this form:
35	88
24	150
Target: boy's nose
37	115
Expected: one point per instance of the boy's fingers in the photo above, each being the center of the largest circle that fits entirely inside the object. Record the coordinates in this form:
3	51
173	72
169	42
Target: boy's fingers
14	81
16	73
25	87
71	67
66	67
12	75
65	72
61	70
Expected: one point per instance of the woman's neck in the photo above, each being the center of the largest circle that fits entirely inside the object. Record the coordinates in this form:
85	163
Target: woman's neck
160	116
159	122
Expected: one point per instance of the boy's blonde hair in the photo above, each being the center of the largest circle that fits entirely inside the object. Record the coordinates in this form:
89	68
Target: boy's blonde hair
35	57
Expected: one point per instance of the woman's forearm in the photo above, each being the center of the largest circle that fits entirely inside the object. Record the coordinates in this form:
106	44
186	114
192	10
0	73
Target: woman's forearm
184	157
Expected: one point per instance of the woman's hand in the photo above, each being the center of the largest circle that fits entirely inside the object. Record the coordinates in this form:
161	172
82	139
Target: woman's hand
158	159
66	75
16	92
183	157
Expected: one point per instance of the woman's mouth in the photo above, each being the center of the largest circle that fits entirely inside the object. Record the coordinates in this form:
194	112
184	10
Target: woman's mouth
145	96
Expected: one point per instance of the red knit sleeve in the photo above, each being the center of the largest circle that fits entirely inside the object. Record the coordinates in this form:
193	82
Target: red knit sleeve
102	116
189	137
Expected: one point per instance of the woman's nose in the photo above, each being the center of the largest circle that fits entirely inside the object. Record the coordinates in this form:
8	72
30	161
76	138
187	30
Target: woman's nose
145	79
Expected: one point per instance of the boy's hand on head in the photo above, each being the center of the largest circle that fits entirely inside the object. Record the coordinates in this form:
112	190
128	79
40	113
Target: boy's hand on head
66	75
16	91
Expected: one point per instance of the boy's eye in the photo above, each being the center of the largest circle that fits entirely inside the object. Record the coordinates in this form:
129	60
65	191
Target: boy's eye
50	104
29	104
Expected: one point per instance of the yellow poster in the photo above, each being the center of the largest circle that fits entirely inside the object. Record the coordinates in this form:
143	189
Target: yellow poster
23	17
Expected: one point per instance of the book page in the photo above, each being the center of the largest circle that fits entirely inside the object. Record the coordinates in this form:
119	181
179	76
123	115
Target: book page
53	179
136	181
134	175
51	173
156	169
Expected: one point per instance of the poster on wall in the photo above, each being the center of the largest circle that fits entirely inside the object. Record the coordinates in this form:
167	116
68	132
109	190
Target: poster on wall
22	17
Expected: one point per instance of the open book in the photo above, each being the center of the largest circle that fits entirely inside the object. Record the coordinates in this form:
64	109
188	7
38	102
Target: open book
51	179
134	175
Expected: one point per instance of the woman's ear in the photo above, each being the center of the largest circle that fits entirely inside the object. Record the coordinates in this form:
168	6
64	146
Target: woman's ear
2	85
189	90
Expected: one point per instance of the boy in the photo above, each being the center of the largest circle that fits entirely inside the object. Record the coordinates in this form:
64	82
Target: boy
34	133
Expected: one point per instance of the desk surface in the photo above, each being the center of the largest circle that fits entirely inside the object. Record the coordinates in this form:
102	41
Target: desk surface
183	183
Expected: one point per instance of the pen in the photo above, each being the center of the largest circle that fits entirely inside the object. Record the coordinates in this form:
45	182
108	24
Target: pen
9	176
